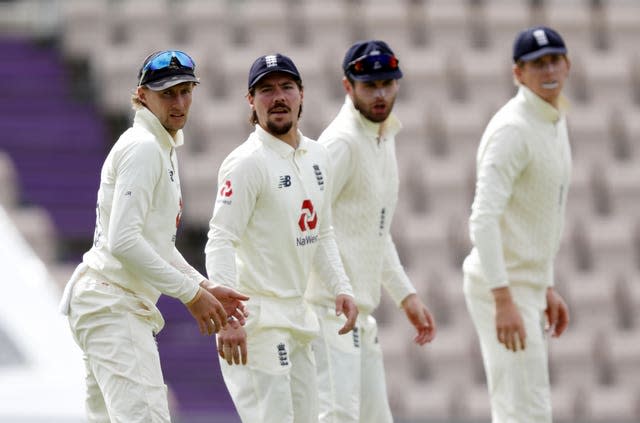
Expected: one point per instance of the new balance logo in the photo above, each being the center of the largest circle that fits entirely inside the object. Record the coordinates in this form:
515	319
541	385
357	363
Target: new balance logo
285	181
282	354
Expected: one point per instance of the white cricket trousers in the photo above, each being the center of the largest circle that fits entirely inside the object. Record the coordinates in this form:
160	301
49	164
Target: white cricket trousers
115	330
350	368
518	382
278	383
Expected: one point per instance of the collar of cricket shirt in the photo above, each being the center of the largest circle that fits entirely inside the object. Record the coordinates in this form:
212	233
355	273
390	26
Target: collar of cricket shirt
384	130
541	107
276	144
148	120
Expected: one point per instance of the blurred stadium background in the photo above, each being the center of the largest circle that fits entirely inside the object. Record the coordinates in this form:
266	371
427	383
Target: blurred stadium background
69	67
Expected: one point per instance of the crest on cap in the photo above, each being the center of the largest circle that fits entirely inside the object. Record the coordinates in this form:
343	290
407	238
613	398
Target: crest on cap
541	37
270	63
271	60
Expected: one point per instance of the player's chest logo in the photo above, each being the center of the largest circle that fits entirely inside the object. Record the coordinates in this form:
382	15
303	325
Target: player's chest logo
283	356
308	218
284	181
319	177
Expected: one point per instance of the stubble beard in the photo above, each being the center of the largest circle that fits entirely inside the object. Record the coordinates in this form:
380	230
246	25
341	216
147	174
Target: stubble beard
361	107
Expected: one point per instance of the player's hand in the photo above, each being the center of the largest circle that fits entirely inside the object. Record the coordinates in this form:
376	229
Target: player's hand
232	344
347	306
421	319
510	328
207	311
230	299
557	313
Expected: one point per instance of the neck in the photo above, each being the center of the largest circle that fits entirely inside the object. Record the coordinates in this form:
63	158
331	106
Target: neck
290	137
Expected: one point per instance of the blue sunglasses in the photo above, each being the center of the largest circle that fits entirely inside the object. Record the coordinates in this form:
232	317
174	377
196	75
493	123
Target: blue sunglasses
162	61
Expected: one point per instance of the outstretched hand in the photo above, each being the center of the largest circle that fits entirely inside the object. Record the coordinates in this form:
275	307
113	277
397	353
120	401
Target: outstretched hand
207	311
230	299
421	319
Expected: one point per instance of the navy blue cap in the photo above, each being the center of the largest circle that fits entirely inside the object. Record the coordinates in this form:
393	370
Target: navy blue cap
535	42
270	63
371	60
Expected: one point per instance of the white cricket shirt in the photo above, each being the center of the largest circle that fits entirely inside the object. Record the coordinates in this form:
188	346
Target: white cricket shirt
272	222
517	217
138	212
364	194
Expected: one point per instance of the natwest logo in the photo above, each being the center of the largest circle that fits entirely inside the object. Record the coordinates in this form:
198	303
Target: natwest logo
308	218
226	190
179	216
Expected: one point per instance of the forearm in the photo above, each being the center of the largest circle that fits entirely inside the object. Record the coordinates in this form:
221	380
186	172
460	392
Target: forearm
328	264
221	258
394	277
142	260
487	239
180	263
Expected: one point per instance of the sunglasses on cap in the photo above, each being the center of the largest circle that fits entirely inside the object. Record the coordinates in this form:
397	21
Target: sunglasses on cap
370	63
163	61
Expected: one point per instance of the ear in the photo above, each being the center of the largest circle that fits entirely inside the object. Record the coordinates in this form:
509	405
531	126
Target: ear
517	72
142	94
348	88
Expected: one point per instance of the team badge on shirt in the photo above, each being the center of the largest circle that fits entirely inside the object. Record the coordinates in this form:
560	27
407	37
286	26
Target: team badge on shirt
319	177
282	354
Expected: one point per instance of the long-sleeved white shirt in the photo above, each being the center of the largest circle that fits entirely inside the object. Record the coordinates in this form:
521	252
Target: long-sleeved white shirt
272	222
138	212
364	198
523	174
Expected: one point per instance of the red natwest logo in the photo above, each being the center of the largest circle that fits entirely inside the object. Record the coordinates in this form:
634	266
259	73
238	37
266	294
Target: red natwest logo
308	218
226	190
179	216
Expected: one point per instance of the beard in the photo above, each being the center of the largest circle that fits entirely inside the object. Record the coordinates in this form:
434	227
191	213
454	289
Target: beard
280	129
369	114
